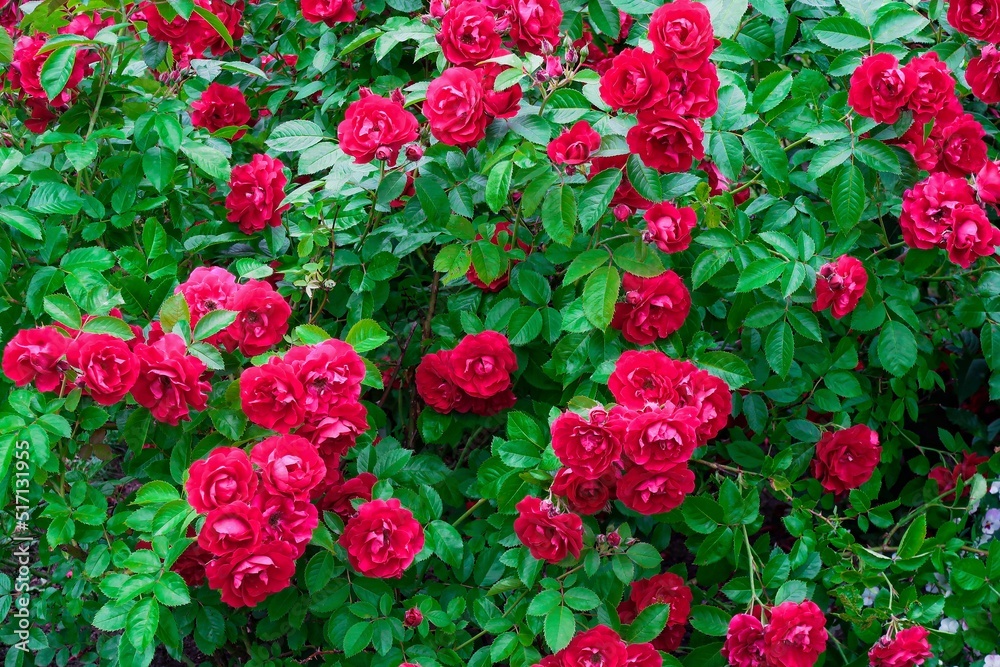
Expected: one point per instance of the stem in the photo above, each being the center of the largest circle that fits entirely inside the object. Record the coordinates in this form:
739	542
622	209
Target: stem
468	512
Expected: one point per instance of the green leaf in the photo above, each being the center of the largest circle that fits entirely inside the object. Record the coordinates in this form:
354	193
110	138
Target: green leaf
446	542
772	9
727	366
644	179
208	159
648	625
848	198
559	214
913	538
366	335
600	293
57	70
760	272
829	157
213	20
597	195
62	309
702	514
711	621
213	322
109	325
433	200
140	628
498	185
171	590
560	626
897	348
582	599
772	90
55	198
969	574
174	310
897	24
780	348
842	33
357	638
158	164
22	221
585	263
156	492
604	16
769	154
877	155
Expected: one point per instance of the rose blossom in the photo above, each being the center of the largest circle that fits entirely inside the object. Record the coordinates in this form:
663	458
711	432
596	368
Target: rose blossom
846	459
840	286
337	431
247	576
643	655
435	383
929	207
169	381
976	18
654	307
231	527
590	446
947	478
669	227
681	32
289	465
36	355
963	148
256	192
272	396
983	75
988	183
692	93
744	645
666	588
207	288
655	492
108	368
455	107
585	496
665	141
499	103
909	648
633	82
482	364
647	378
225	477
880	89
972	236
933	86
468	34
413	617
329	12
534	24
795	635
382	539
660	439
376	128
598	647
221	106
331	373
262	319
548	534
288	519
26	67
338	497
575	145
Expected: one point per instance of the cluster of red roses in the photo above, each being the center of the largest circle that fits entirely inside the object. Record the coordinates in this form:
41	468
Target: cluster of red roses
840	285
314	390
191	37
603	646
942	211
157	370
473	377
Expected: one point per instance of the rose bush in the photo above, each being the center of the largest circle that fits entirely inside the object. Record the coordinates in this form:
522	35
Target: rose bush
604	333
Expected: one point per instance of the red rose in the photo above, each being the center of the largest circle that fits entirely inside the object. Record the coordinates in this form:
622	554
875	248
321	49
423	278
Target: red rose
976	18
719	184
665	141
36	355
486	407
795	635
647	378
660	439
436	384
972	236
482	364
988	183
744	645
329	12
928	209
548	534
711	397
272	396
499	103
655	492
633	82
653	309
331	373
947	478
585	496
963	149
289	465
880	89
933	86
230	15
382	539
983	75
256	192
338	497
468	34
225	477
376	128
625	194
840	285
107	367
26	67
590	446
666	588
221	106
169	380
205	290
909	648
681	32
231	527
501	233
247	576
288	519
262	320
598	647
692	93
669	227
643	655
846	459
534	24
413	617
336	432
575	145
455	107
189	38
40	115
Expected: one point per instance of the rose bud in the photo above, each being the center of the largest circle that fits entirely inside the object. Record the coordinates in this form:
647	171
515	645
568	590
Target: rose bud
413	617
